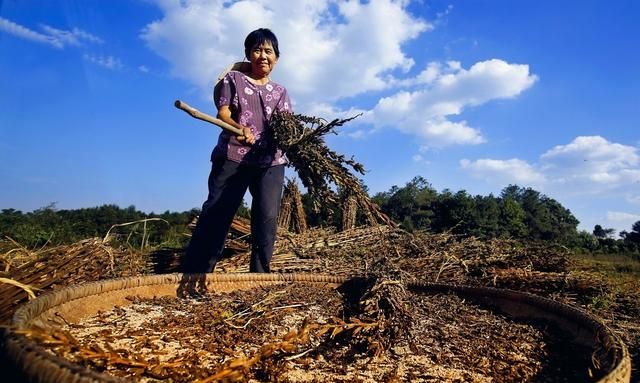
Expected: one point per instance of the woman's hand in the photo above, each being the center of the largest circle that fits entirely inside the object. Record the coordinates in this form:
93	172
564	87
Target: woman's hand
247	137
224	113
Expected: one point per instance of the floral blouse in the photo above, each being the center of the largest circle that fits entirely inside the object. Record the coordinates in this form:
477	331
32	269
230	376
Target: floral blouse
251	105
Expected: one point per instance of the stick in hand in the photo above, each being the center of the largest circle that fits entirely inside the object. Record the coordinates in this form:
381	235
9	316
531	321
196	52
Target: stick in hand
195	113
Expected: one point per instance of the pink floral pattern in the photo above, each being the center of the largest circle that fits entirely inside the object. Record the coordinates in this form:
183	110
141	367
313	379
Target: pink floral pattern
252	106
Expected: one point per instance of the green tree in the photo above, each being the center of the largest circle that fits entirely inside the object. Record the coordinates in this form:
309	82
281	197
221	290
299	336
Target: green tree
411	205
454	212
512	218
485	217
601	232
634	235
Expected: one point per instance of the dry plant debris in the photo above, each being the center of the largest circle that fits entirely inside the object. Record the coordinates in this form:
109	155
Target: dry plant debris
382	251
292	216
369	330
49	268
320	168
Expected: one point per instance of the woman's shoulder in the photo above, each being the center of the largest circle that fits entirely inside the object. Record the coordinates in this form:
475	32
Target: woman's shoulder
234	75
277	86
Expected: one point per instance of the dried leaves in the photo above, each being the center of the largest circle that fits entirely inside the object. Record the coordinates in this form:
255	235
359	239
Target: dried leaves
320	168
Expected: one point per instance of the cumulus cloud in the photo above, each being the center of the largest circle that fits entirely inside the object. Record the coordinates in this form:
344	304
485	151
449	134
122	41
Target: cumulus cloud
54	37
586	165
595	161
330	49
446	90
512	171
333	50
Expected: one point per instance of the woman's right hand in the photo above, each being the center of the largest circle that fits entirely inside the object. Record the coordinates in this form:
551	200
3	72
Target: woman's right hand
247	136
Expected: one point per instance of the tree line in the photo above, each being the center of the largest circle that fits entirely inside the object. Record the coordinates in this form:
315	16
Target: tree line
518	213
49	225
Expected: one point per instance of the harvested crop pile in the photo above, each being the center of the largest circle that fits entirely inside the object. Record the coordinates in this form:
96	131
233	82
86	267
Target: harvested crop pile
320	168
53	267
368	330
420	255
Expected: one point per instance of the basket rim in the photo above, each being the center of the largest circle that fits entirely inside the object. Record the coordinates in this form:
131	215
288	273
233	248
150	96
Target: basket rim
63	370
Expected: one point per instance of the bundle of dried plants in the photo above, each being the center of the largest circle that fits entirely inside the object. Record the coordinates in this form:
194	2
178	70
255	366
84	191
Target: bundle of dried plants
321	169
49	268
292	215
349	213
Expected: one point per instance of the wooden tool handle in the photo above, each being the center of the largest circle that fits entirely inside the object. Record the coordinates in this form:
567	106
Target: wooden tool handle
195	113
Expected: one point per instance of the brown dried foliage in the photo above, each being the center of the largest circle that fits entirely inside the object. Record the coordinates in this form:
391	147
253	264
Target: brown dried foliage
292	215
319	168
50	268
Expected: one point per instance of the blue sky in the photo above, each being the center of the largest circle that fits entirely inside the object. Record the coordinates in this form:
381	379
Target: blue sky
471	95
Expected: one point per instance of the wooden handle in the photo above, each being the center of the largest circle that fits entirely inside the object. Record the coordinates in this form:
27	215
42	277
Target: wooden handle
195	113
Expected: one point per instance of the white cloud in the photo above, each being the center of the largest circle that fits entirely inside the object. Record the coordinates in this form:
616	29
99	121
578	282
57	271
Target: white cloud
357	134
86	36
622	216
622	220
327	52
587	166
594	161
512	171
57	38
322	58
333	50
447	90
73	37
143	69
108	62
633	198
17	30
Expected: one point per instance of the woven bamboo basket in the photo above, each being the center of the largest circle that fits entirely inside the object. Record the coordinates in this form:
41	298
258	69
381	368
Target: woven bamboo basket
76	302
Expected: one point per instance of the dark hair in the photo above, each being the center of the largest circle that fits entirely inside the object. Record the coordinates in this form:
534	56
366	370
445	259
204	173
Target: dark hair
260	36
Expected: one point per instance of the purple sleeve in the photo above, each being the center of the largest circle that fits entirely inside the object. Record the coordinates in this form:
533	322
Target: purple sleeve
225	92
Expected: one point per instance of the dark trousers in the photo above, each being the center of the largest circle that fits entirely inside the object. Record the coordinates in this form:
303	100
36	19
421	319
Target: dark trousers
228	181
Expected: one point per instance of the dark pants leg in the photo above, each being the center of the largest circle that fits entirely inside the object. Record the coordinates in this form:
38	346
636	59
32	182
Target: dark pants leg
227	185
266	191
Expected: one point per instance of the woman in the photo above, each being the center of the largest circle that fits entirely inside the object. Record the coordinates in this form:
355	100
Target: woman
245	100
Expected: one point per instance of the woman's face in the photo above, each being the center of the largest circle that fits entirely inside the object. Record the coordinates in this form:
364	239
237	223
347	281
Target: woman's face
263	59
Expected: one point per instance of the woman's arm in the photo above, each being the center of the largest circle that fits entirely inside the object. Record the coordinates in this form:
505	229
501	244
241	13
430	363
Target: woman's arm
224	113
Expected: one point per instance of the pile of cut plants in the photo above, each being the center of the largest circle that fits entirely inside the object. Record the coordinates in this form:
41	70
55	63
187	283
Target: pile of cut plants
370	329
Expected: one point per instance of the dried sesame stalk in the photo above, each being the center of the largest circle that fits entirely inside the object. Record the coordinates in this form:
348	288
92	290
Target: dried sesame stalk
302	139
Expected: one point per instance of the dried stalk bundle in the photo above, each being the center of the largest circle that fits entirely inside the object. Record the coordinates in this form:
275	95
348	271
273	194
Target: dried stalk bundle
45	269
349	213
292	215
301	138
298	215
284	217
